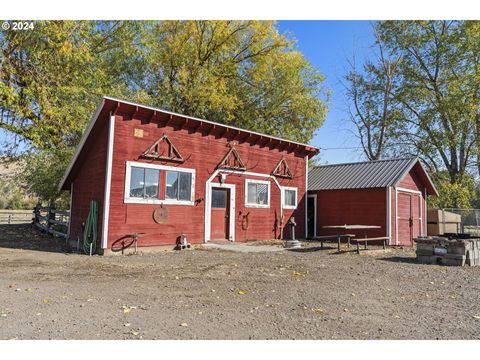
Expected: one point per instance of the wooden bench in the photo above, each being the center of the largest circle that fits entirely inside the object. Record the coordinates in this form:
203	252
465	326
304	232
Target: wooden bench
334	237
366	240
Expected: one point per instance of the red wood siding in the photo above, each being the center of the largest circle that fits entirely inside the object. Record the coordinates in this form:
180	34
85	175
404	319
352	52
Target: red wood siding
412	181
356	206
202	153
89	183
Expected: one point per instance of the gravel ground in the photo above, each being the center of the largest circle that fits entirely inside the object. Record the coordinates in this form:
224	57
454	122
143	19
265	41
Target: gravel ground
214	294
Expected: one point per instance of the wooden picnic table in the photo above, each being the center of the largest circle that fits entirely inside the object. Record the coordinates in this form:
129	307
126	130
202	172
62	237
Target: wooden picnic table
358	240
365	240
334	237
351	227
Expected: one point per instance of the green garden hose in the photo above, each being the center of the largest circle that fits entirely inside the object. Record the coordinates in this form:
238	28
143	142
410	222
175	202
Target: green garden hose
90	230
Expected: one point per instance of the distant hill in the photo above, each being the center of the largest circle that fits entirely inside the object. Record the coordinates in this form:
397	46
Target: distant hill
12	193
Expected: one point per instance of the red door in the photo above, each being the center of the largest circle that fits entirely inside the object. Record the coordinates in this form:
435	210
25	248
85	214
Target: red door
416	215
220	215
408	217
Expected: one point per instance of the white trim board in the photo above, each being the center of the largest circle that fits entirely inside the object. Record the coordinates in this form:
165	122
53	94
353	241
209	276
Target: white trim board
208	210
108	181
426	215
396	216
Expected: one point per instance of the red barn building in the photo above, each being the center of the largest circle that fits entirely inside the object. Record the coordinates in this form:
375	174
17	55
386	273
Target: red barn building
165	174
391	194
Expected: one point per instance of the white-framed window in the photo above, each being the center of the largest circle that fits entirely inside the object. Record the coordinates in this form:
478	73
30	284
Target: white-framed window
257	193
178	185
289	196
143	184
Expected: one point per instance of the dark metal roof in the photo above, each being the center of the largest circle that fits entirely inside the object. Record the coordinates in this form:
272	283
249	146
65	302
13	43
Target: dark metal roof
362	175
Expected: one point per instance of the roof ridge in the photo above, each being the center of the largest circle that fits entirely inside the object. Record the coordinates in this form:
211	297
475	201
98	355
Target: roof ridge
366	162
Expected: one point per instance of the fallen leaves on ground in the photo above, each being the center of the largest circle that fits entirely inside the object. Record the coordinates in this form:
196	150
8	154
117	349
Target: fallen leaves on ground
299	273
126	309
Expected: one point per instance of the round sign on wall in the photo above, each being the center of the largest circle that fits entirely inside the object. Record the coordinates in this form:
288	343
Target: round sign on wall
160	215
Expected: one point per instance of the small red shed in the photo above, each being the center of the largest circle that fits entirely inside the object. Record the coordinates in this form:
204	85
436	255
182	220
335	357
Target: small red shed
166	175
391	194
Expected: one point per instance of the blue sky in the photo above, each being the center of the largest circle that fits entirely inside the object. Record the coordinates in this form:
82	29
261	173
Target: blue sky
328	45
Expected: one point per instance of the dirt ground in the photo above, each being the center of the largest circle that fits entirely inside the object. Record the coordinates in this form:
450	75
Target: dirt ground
214	294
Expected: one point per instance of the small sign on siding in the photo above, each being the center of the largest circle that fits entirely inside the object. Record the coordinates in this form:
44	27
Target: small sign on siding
138	133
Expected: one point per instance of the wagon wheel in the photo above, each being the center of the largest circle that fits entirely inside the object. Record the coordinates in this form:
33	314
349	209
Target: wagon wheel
122	244
126	241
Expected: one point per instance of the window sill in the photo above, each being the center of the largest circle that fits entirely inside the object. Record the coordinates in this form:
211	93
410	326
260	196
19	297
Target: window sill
289	207
158	201
257	206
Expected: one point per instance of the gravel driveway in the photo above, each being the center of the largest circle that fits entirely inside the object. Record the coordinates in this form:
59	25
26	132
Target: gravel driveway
215	294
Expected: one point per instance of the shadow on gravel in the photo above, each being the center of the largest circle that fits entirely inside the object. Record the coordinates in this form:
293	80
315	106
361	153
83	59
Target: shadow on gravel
400	259
26	237
312	249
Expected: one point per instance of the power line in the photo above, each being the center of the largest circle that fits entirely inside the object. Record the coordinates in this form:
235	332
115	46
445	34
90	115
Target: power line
342	148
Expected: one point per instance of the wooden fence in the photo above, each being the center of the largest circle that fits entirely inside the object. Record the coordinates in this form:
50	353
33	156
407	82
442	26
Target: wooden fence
16	216
52	221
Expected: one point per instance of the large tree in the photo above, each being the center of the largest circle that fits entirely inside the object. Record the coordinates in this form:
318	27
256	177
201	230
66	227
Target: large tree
243	73
52	76
438	94
373	108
